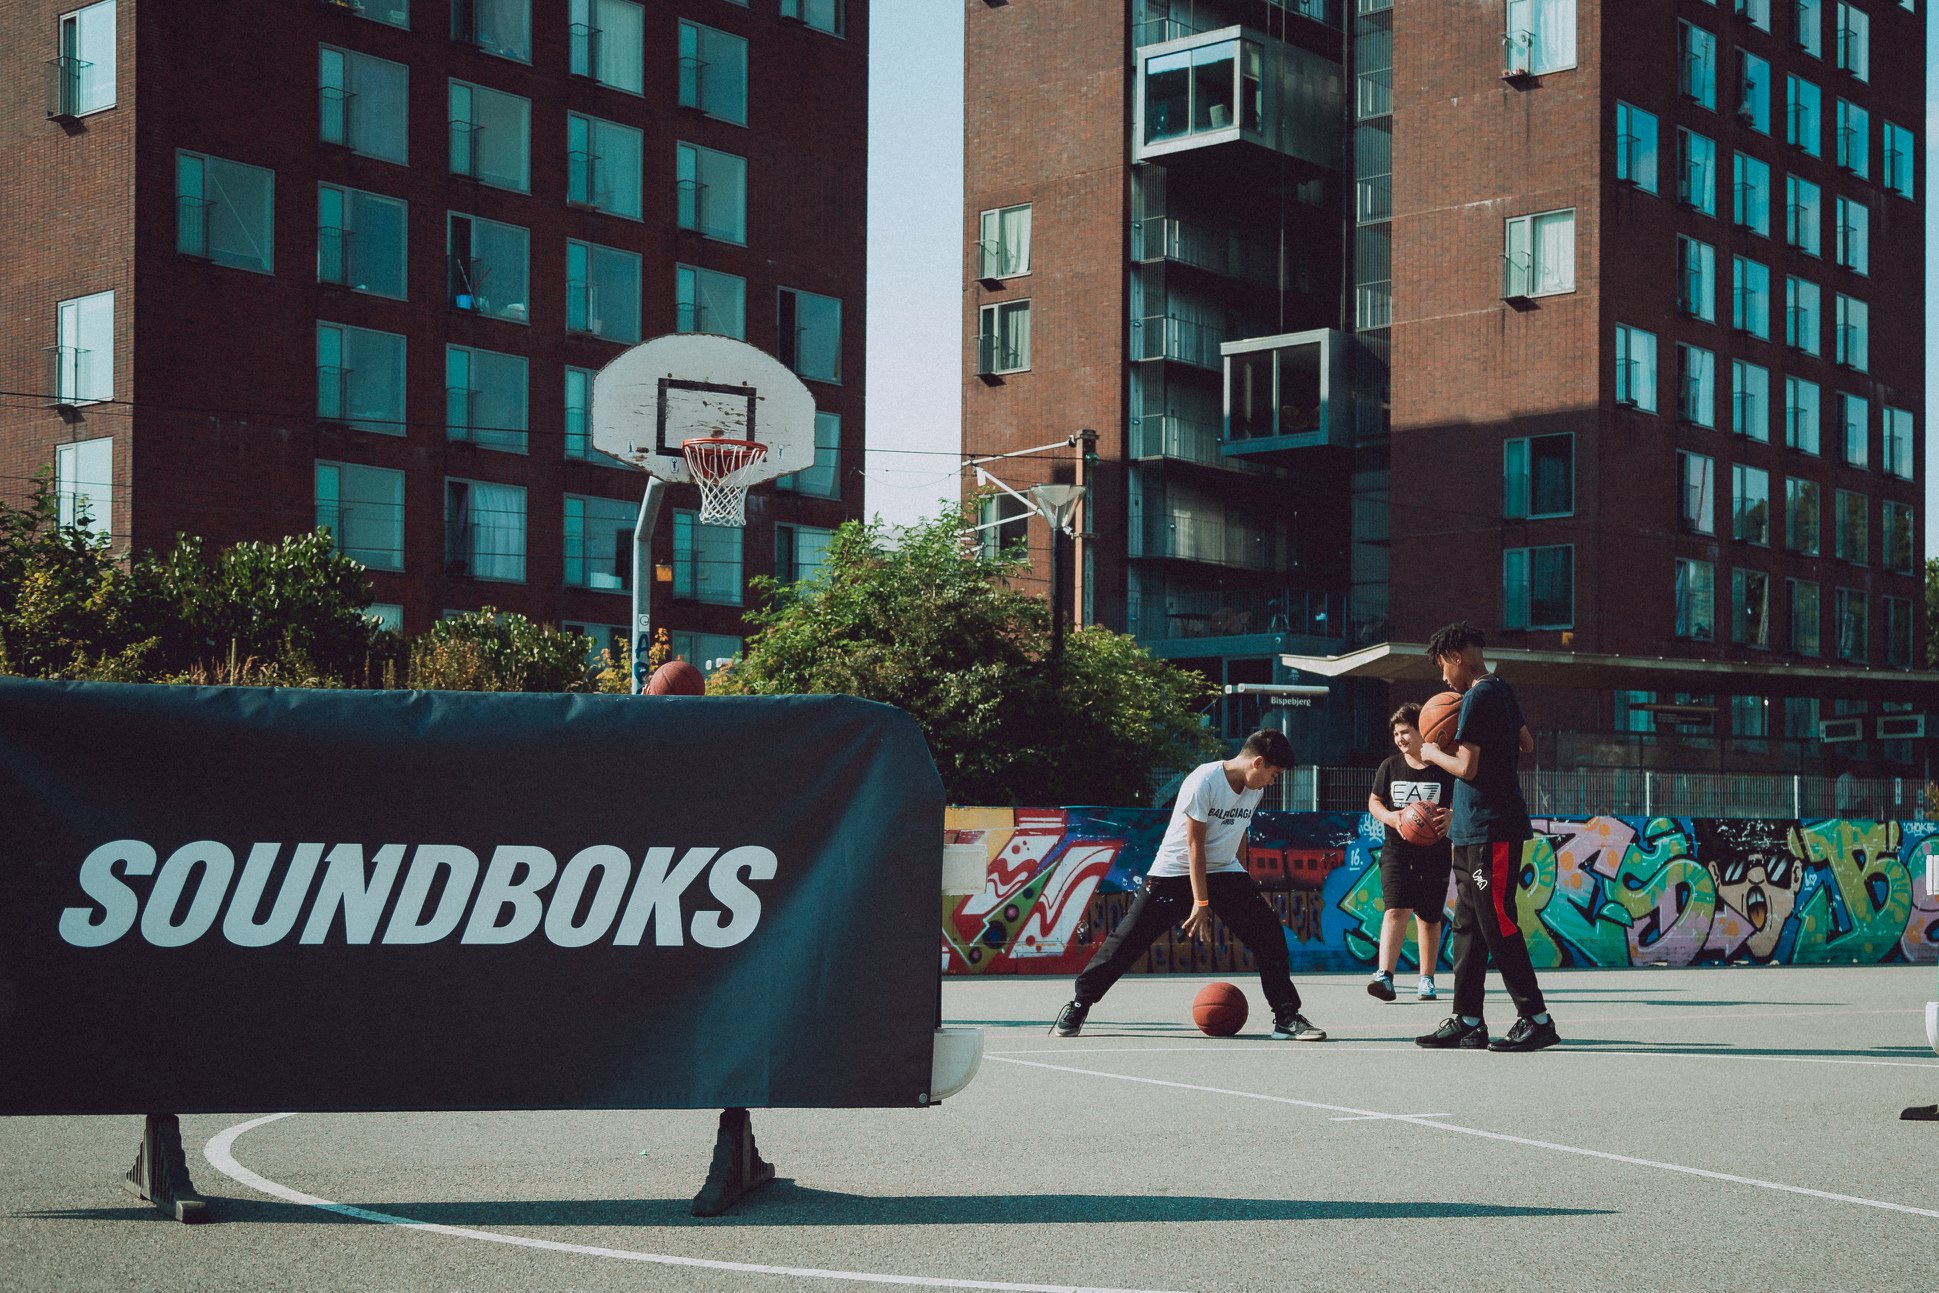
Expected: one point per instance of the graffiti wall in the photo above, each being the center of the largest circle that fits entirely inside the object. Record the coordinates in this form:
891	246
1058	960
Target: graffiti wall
1598	891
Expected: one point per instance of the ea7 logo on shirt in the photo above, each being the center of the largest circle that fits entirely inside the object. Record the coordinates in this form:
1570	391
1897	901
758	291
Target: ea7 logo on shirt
1480	878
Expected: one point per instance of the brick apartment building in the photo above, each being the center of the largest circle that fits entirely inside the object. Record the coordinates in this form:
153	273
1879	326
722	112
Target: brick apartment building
354	262
1598	324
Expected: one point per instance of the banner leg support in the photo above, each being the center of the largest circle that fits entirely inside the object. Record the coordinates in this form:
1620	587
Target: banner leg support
1921	1113
161	1171
738	1169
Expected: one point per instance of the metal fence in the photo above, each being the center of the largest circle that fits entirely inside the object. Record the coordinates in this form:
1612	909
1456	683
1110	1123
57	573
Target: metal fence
1640	792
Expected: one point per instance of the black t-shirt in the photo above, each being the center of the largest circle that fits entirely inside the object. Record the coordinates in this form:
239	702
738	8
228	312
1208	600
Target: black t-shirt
1490	807
1398	785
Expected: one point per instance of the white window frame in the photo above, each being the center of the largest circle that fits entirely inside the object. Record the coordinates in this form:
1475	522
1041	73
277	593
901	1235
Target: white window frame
337	506
84	346
84	483
996	322
87	41
1527	272
1003	248
1538	37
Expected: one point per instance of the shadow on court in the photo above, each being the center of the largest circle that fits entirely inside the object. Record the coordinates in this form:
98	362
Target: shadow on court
786	1204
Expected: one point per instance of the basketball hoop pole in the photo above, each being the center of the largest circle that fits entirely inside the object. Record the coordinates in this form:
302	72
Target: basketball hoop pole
642	627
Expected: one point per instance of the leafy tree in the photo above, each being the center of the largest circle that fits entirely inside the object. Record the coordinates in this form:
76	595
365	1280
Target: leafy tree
1932	612
296	603
488	651
65	605
923	619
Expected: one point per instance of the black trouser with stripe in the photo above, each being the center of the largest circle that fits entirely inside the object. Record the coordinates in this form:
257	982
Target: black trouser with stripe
1486	877
1165	901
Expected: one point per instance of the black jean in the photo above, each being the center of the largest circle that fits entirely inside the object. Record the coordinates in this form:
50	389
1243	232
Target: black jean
1485	879
1165	901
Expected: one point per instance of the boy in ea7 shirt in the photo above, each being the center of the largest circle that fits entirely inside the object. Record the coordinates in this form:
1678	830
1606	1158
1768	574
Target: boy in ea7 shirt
1197	871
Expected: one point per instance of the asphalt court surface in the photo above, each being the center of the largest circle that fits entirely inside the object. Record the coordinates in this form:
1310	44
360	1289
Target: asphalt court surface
1698	1129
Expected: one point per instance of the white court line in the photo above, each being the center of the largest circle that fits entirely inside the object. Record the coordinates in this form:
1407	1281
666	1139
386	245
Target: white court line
1396	1117
1422	1121
219	1153
1392	1048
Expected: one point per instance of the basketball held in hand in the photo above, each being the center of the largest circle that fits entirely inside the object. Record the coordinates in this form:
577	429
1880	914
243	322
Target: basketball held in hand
1421	823
1439	718
1219	1010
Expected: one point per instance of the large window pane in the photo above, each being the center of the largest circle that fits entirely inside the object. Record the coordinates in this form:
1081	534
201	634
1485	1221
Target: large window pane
603	161
823	479
713	192
706	300
491	137
83	356
361	240
706	560
501	27
607	42
225	212
713	72
363	508
822	15
485	398
87	67
810	334
365	104
490	268
602	291
360	378
484	530
84	485
599	543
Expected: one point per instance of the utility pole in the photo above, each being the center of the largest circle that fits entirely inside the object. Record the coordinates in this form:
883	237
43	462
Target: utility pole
1086	456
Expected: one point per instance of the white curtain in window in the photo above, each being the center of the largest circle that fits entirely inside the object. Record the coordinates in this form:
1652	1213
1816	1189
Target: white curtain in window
1555	252
93	42
1014	237
497	517
621	58
504	26
379	107
1015	325
1552	23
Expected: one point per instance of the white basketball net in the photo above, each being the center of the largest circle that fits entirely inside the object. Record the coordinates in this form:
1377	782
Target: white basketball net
721	468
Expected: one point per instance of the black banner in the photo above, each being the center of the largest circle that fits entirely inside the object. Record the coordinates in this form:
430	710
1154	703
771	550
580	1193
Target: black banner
239	899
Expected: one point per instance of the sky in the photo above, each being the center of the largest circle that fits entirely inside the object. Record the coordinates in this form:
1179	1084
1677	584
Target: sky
915	258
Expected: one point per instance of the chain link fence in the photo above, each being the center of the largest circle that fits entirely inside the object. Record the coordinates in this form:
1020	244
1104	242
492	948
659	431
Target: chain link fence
1640	792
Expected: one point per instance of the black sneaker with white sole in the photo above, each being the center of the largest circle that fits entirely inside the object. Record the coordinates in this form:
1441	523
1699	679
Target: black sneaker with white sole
1455	1032
1381	987
1295	1027
1526	1035
1070	1020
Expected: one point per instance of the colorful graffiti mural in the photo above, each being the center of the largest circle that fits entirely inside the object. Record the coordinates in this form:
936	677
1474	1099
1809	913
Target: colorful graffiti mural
1598	891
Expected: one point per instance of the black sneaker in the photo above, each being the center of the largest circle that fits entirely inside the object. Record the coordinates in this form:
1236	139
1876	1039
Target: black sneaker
1381	987
1526	1035
1070	1020
1295	1027
1454	1032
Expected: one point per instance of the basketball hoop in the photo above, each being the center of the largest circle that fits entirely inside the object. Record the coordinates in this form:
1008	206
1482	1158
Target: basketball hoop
722	467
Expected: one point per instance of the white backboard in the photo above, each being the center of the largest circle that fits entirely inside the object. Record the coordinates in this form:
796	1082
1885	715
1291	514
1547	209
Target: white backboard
688	385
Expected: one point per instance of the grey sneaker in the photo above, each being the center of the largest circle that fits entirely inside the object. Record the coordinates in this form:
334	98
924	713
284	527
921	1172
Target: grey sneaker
1070	1020
1297	1028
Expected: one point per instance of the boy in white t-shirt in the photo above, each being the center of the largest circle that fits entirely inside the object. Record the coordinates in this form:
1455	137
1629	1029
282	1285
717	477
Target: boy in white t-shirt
1197	872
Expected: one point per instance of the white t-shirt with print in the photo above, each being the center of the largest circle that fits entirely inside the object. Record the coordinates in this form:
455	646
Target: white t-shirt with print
1206	796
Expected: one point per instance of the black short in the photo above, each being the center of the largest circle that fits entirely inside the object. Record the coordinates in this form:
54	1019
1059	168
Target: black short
1415	878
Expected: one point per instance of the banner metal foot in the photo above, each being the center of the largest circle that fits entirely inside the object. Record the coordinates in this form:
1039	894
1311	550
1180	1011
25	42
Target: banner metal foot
738	1169
1921	1113
161	1171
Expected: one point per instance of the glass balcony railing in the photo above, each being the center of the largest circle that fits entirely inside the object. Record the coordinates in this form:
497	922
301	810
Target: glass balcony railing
1213	540
1236	612
1217	251
1186	341
1164	436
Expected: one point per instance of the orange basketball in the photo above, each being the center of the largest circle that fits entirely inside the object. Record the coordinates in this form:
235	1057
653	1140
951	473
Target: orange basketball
1420	825
1439	717
676	678
1219	1010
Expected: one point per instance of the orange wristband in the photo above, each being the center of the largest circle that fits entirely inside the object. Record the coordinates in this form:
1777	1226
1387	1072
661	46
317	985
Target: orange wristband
1204	902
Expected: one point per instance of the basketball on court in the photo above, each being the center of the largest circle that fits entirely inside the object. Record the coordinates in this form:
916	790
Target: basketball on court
1439	717
1219	1010
676	678
1421	825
